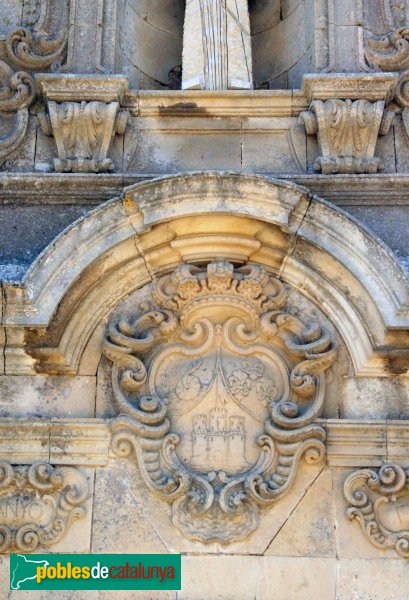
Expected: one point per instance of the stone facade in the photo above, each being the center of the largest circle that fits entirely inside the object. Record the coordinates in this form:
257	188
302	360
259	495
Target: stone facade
204	285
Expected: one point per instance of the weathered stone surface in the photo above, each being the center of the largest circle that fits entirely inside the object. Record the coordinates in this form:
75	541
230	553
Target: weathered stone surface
252	577
310	529
128	527
369	398
47	396
362	578
206	306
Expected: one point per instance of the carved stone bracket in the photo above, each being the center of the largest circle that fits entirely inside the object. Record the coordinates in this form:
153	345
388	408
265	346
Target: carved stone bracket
38	504
379	500
83	115
17	92
32	47
347	132
218	386
83	132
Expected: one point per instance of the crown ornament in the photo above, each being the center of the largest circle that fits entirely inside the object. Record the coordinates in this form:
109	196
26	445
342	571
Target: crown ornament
248	289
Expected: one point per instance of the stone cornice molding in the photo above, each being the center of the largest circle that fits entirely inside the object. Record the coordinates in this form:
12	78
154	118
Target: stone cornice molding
27	189
261	103
77	88
373	87
108	254
86	442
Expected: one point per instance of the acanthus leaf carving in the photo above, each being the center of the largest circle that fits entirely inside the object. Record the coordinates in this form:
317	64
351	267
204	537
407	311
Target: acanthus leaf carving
347	132
218	387
38	504
83	132
379	500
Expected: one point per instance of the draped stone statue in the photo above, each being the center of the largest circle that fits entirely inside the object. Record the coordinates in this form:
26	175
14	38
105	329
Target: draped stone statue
217	45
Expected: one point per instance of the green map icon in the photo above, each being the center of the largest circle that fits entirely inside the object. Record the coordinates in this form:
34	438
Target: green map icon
24	569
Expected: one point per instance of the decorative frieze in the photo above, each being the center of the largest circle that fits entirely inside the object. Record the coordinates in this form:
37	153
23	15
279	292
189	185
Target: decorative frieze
347	133
38	505
379	501
218	387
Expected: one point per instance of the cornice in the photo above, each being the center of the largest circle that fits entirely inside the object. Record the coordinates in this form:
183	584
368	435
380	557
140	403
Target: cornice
27	189
86	442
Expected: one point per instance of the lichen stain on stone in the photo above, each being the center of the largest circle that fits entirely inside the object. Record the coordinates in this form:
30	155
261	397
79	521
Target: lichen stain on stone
181	107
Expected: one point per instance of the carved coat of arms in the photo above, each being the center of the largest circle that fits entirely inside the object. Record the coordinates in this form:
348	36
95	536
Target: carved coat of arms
218	388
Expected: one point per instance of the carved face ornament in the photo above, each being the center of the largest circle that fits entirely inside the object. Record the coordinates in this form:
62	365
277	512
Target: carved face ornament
218	387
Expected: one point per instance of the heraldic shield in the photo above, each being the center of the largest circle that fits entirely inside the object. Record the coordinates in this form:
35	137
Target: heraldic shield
219	387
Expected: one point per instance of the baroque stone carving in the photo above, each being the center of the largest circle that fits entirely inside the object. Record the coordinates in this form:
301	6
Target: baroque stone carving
38	504
347	132
83	132
17	92
388	53
379	500
218	386
32	47
217	46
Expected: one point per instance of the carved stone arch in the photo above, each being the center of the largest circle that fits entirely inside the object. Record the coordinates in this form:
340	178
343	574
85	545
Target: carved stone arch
63	304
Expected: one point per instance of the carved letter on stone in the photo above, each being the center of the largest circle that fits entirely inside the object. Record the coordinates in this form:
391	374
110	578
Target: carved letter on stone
38	504
17	92
379	501
217	45
219	387
83	132
347	132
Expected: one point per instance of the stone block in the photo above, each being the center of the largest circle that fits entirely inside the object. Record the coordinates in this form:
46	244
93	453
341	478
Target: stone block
346	37
283	143
10	16
310	529
152	50
174	145
277	49
121	521
265	14
166	15
391	228
47	396
364	579
372	398
261	578
345	12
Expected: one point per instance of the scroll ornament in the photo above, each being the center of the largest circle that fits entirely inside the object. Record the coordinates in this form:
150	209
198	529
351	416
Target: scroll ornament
38	505
218	385
32	47
379	500
391	53
17	92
